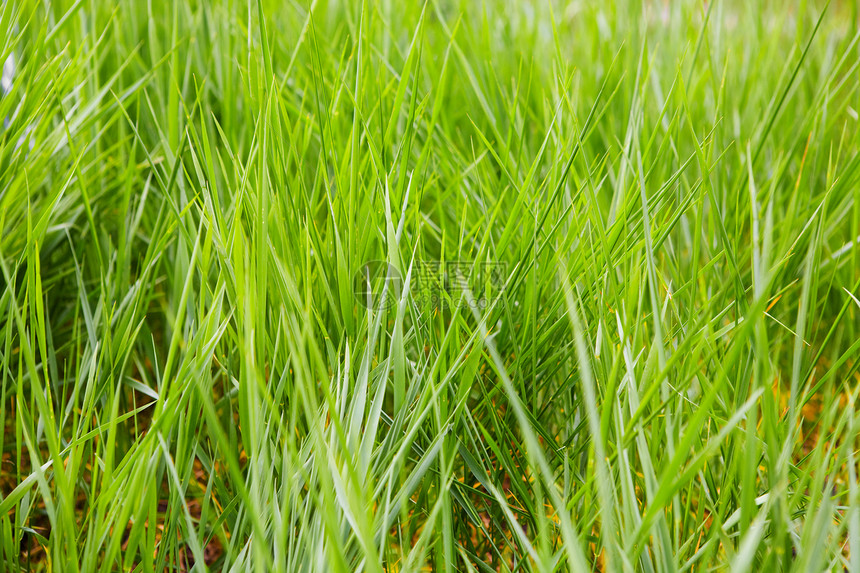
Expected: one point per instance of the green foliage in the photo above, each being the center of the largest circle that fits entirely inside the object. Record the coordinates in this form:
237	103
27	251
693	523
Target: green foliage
663	379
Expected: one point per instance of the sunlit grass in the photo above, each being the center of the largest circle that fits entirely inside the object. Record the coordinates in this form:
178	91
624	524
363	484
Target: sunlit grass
649	363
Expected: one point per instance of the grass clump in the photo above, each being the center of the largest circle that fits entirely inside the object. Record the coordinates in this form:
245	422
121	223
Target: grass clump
620	330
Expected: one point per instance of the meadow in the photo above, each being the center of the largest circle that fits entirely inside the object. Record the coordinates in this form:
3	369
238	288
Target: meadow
455	285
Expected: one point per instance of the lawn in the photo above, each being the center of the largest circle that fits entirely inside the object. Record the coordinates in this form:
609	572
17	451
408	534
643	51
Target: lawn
459	286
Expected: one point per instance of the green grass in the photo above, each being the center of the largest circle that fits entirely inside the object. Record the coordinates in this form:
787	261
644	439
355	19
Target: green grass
660	377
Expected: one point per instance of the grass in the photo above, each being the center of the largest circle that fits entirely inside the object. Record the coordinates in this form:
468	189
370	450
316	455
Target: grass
649	361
